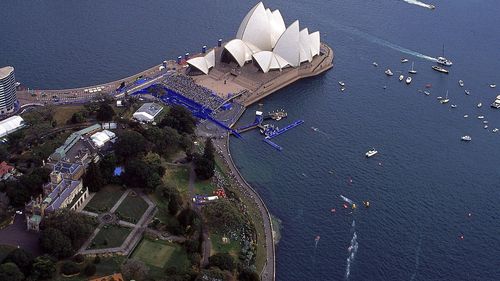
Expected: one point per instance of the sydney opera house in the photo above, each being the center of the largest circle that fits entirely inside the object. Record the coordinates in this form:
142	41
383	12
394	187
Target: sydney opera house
264	39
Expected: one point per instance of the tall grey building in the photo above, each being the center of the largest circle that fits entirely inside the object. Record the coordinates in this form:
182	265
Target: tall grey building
7	89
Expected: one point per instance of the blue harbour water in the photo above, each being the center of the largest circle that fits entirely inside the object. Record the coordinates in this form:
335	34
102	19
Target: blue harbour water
421	186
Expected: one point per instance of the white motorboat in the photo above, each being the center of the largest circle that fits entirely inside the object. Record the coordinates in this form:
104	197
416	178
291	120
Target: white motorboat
408	80
388	72
440	98
341	83
440	69
371	153
401	77
479	105
495	130
466	116
427	93
485	122
444	61
493	86
485	126
453	106
467	92
342	89
404	60
461	83
375	64
480	117
466	138
412	70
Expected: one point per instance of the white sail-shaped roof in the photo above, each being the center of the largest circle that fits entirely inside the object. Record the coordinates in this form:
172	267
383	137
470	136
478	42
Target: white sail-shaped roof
276	24
240	50
288	45
305	46
315	43
203	63
255	29
269	61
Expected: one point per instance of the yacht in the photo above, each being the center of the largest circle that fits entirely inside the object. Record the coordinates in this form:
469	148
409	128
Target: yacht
444	61
479	105
341	83
408	80
465	116
466	138
453	106
485	126
427	93
485	122
404	60
375	64
401	77
480	117
440	69
371	153
461	83
388	72
440	98
467	92
495	130
493	86
445	100
412	70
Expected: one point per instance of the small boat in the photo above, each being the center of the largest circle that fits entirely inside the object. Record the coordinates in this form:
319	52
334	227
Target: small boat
401	77
495	130
440	69
479	105
453	106
493	86
412	70
466	116
17	84
408	80
466	138
444	61
388	72
440	98
314	129
371	153
404	60
445	100
341	83
467	92
342	89
461	83
427	93
485	122
485	126
432	7
480	117
375	64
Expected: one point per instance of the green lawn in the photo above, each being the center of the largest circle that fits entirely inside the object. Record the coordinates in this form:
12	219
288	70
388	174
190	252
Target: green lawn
113	235
132	208
105	199
233	247
107	266
179	177
204	187
62	114
161	254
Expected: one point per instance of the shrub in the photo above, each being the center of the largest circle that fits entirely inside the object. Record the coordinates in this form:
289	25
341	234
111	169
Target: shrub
78	258
70	268
90	270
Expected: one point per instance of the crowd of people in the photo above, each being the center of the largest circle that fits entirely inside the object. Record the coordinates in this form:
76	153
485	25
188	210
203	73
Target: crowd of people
186	86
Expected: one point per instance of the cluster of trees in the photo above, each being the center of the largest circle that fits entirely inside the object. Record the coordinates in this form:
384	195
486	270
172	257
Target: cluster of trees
204	165
99	174
64	232
19	265
30	184
224	216
102	111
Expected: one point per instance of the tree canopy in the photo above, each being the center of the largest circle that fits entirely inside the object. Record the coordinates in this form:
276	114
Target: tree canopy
93	178
130	144
180	119
10	272
55	243
43	268
22	259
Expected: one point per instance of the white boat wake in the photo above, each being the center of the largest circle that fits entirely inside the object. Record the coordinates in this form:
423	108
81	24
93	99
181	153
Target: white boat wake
352	250
418	3
383	42
347	200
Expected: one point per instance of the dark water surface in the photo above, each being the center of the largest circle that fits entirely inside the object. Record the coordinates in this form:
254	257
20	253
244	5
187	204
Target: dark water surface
421	186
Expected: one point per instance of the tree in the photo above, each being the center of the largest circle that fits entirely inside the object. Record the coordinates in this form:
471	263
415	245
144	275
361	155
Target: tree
107	166
43	268
223	261
4	205
203	167
172	195
139	174
69	268
76	226
105	112
130	144
90	269
248	275
78	117
10	272
22	259
180	119
189	220
55	243
166	141
93	178
134	270
209	150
